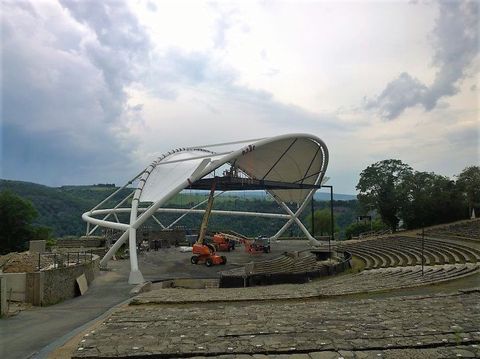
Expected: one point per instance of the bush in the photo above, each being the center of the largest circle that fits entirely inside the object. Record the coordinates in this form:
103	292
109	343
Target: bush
355	229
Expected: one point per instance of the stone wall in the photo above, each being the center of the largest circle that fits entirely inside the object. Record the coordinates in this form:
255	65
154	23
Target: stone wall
55	285
85	242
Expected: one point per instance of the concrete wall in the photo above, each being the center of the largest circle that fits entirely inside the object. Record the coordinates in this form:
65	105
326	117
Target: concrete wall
15	286
3	297
55	285
37	246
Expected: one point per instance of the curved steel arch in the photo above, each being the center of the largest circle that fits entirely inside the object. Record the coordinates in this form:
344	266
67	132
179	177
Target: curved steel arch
203	162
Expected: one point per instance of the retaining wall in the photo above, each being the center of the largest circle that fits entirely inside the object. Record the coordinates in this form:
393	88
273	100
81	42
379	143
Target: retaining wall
86	242
250	279
3	297
15	286
55	285
60	284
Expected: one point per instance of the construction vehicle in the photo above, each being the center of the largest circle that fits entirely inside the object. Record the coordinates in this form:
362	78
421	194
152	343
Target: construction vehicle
202	252
260	244
224	242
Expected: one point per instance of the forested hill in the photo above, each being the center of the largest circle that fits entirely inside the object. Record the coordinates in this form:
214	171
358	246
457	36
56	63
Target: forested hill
61	208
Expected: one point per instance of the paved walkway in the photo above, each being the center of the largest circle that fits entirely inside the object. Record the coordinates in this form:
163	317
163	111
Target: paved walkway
24	335
445	325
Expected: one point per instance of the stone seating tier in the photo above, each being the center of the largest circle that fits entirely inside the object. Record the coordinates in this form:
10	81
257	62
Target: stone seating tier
469	230
406	251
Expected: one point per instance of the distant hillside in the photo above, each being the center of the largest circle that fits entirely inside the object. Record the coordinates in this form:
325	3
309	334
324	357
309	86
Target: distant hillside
319	196
336	197
61	207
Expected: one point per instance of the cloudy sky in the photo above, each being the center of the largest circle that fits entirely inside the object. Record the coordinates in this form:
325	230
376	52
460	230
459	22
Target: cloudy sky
92	92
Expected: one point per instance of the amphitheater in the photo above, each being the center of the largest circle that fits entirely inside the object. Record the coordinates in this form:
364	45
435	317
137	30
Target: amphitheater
402	295
387	305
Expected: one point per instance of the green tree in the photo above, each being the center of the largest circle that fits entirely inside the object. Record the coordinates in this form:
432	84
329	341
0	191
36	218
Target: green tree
321	222
429	199
379	188
468	183
355	229
16	215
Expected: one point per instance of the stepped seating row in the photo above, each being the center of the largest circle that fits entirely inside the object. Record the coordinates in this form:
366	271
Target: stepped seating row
386	278
406	251
304	262
296	267
464	230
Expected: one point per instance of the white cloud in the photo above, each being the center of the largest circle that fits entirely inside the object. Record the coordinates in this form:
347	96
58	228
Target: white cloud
112	84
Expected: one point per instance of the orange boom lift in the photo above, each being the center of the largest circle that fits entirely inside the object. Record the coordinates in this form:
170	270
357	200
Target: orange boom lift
205	253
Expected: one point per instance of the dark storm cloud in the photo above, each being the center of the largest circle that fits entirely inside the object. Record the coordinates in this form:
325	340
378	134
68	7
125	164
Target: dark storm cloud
65	114
45	157
456	44
399	94
122	44
63	89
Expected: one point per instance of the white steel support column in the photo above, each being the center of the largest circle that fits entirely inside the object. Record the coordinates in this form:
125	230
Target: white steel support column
136	276
283	229
300	224
108	214
158	222
294	216
191	209
113	249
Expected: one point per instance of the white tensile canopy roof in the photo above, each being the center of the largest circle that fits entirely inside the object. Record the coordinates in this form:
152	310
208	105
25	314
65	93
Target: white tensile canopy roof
292	165
296	160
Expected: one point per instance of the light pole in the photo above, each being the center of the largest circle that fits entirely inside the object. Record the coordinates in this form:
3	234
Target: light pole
313	219
331	238
423	247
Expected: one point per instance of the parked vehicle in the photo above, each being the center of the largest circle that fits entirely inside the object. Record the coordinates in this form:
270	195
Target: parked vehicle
222	243
260	244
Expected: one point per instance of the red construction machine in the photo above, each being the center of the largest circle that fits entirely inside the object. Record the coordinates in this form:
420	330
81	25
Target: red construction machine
258	245
202	252
224	242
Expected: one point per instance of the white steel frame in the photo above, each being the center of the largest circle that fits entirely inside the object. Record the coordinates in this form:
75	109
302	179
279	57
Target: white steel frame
208	165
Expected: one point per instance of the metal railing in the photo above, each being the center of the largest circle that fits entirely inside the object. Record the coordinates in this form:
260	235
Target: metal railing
62	260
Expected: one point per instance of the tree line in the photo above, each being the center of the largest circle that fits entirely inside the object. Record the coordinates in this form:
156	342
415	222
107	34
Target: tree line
389	188
398	194
16	228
